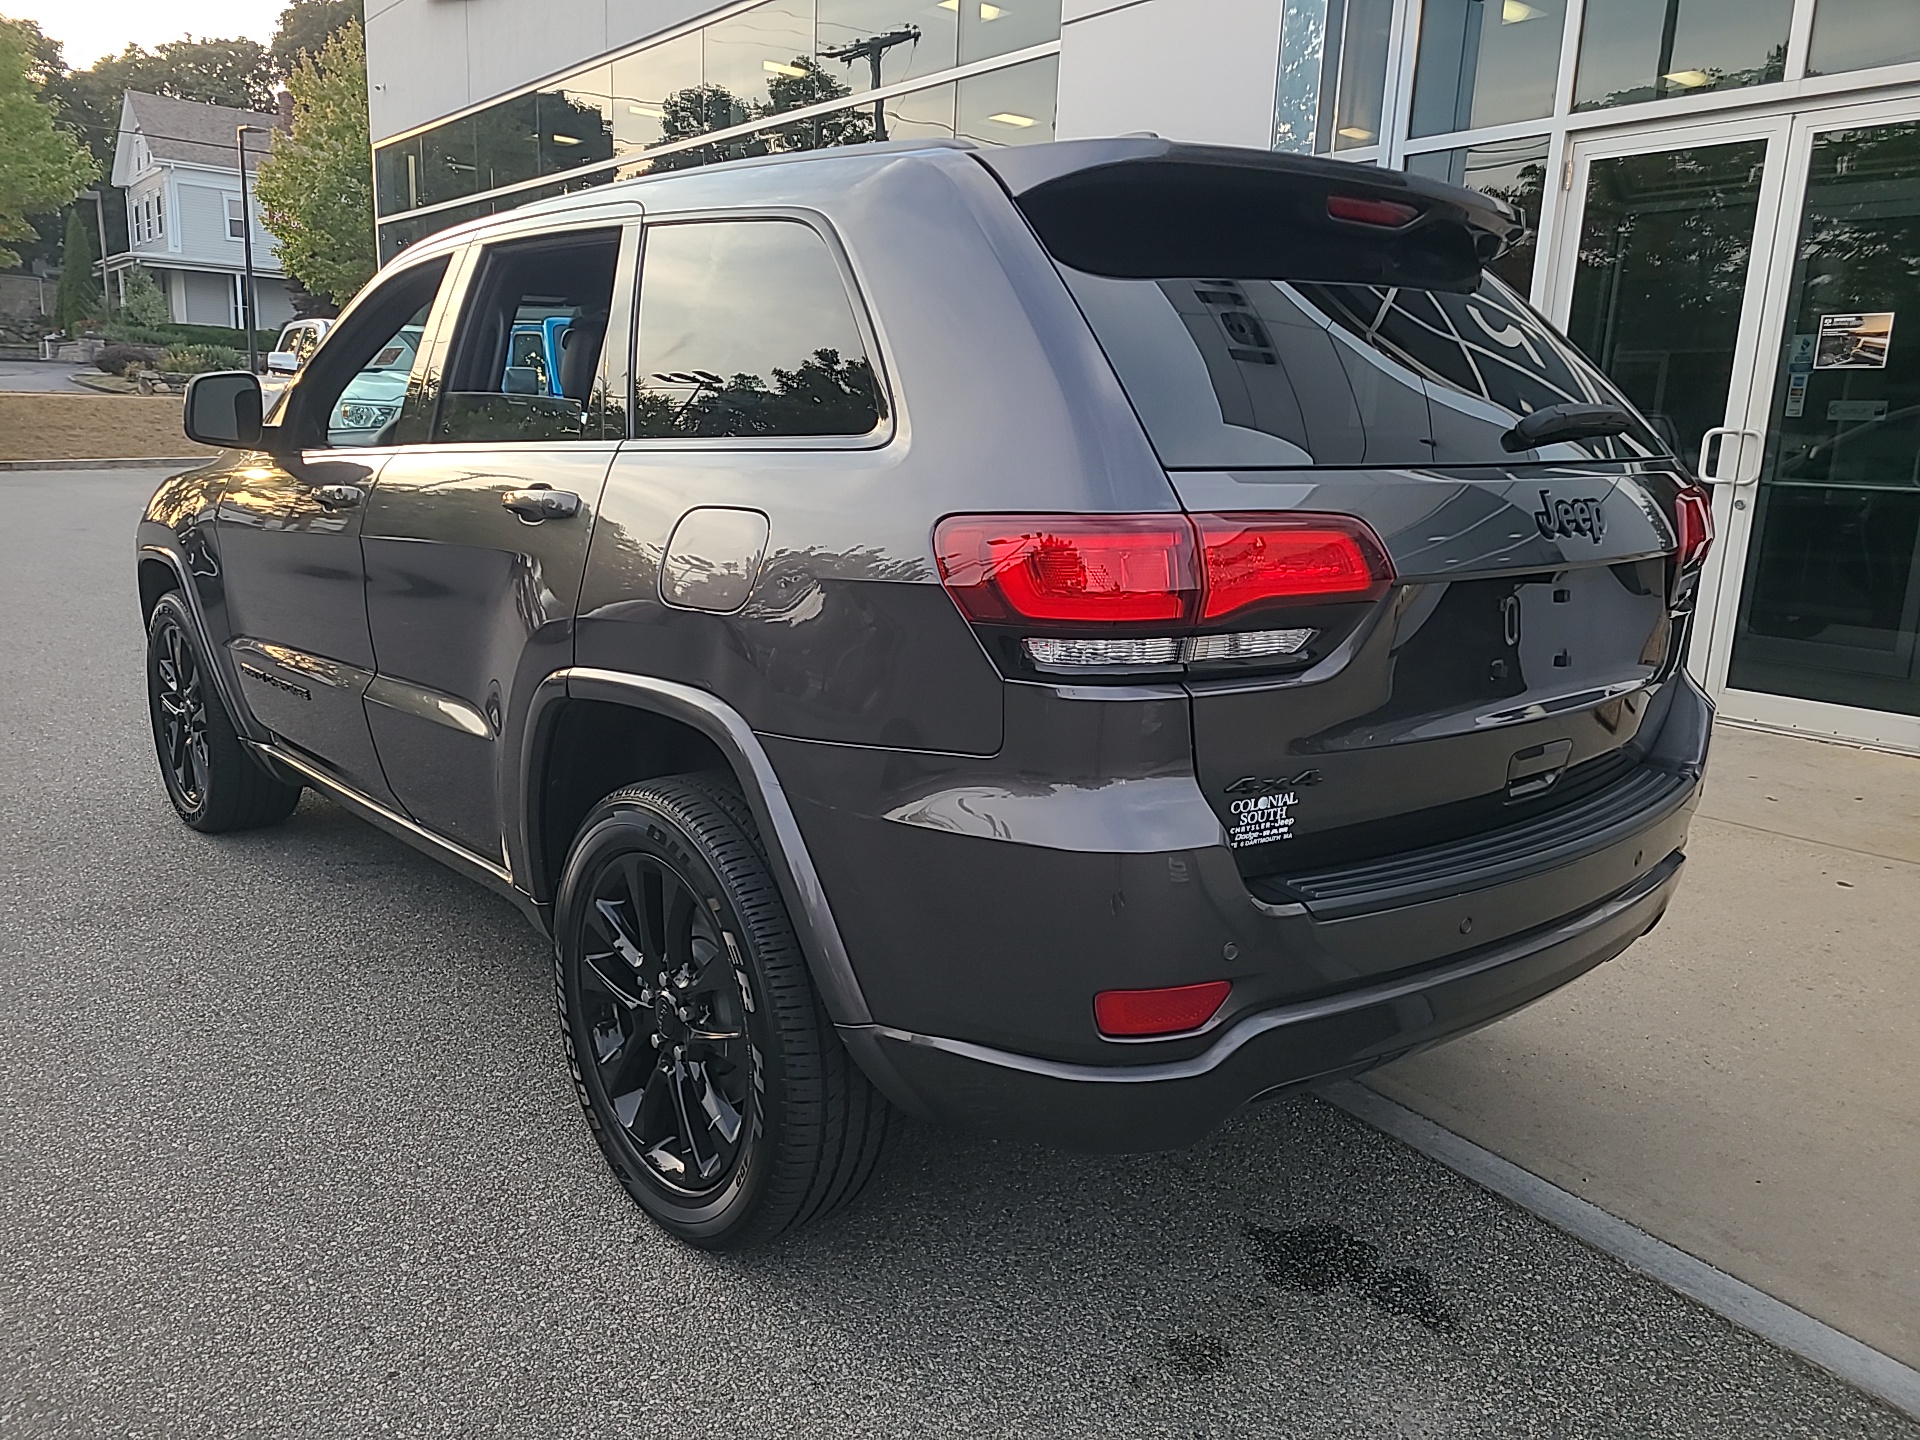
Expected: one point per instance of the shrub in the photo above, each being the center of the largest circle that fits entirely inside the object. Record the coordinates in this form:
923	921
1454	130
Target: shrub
141	302
173	334
197	359
117	359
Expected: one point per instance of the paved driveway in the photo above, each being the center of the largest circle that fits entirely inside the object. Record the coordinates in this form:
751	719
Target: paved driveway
29	375
286	1147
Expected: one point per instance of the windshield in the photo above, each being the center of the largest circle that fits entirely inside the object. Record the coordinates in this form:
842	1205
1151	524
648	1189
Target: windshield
1270	373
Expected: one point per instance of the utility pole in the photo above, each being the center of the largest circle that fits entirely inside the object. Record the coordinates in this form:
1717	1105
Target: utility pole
247	301
873	51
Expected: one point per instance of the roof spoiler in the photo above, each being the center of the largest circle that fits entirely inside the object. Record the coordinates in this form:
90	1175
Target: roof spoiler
1150	209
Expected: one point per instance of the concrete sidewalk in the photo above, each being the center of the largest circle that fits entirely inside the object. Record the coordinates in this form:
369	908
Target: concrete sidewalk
1745	1082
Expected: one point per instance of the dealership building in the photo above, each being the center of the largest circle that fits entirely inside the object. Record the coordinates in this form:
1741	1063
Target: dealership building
1724	197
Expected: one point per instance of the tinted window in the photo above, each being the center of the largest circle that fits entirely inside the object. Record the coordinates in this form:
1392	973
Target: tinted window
524	363
746	329
352	390
1265	373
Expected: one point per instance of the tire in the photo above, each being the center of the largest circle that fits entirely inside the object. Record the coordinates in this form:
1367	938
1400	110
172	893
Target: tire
215	785
722	1099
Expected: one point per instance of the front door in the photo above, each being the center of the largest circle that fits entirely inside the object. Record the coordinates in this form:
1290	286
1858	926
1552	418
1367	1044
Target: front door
475	541
289	531
1819	625
1662	265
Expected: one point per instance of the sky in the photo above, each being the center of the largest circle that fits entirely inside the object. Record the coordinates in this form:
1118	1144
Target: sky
92	28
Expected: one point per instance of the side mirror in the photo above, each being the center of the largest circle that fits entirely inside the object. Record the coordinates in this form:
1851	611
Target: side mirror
224	409
283	362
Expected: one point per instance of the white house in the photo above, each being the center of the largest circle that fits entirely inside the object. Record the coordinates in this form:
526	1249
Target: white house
177	162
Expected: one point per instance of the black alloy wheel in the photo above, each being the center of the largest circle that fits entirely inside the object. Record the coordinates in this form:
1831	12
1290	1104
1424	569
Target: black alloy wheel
710	1074
214	784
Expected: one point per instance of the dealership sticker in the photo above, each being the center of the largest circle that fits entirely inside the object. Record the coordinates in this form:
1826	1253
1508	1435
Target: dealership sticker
1261	819
1854	342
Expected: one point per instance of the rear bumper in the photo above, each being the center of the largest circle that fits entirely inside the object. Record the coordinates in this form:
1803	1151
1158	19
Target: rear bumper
1129	1108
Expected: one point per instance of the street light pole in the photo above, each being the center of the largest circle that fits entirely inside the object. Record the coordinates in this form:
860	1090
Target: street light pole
247	299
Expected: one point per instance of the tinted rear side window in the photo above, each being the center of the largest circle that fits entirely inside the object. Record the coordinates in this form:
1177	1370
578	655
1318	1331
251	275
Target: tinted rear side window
746	329
1267	373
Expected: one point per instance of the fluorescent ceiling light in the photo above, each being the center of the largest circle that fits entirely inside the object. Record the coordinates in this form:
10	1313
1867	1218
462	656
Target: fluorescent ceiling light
1689	79
1008	118
1512	12
1355	132
991	12
949	4
652	112
566	139
774	67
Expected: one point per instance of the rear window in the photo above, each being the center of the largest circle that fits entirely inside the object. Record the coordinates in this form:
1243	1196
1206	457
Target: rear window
1261	373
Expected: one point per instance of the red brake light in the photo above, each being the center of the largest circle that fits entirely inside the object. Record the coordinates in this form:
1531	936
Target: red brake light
1250	558
1371	210
1170	1011
1087	569
1160	571
1693	524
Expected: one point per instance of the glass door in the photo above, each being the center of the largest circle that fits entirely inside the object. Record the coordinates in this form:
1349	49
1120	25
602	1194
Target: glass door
1660	273
1819	621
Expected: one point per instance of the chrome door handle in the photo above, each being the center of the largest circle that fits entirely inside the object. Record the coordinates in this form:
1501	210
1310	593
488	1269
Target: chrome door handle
542	504
339	497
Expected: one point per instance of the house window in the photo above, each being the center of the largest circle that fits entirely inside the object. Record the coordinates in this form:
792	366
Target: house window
159	213
236	219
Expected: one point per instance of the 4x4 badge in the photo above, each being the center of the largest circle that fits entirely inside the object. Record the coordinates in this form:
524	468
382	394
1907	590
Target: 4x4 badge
1563	519
1261	784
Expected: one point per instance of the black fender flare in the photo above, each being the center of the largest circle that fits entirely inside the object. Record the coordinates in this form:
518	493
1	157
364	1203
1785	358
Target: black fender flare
787	855
217	659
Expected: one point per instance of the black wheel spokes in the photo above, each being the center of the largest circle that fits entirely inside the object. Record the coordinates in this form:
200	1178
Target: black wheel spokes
668	1022
183	716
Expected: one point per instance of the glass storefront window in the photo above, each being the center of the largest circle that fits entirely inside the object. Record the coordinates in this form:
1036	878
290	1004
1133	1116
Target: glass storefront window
1003	27
1010	107
1635	50
655	92
506	142
1831	605
903	39
1486	62
1664	250
576	122
762	60
1511	170
1856	34
1303	44
1361	93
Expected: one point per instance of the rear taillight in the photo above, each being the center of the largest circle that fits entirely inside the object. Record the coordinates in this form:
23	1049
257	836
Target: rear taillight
1107	592
1693	525
1140	1014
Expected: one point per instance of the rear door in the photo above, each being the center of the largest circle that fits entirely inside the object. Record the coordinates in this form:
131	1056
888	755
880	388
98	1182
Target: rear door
475	541
1511	661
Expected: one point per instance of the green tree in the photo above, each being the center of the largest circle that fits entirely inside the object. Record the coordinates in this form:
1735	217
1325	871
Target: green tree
307	25
141	302
79	293
42	166
316	187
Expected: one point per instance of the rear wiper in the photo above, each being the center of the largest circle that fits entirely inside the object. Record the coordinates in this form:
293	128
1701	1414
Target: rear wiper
1553	423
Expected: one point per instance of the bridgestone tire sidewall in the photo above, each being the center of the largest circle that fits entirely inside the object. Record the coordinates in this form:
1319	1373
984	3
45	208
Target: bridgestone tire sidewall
622	826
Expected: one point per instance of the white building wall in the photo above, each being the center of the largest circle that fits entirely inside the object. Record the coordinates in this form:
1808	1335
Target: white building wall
1199	70
429	58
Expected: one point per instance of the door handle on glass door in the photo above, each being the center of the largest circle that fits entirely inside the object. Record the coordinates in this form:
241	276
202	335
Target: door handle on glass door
339	497
1732	439
542	504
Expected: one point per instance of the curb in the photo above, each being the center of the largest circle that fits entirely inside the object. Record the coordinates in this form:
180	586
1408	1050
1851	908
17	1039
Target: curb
1814	1341
121	462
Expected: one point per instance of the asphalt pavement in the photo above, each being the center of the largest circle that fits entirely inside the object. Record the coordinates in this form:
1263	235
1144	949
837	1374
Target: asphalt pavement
287	1148
41	375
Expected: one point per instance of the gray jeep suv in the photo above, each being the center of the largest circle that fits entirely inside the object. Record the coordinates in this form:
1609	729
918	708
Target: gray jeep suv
1069	640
